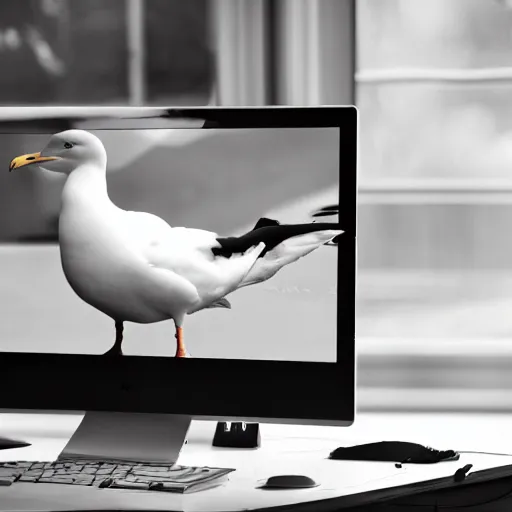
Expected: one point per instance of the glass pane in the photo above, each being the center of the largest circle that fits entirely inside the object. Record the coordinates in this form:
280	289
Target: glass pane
434	132
31	43
75	52
433	33
62	52
435	272
434	129
179	63
97	54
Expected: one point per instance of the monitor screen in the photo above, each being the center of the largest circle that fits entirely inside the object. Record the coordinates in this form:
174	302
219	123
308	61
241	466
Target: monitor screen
283	350
220	180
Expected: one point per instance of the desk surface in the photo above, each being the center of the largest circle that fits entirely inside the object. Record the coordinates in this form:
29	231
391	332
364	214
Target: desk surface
285	450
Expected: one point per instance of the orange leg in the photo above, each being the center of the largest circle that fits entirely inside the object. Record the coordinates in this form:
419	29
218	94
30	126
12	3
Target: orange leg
181	351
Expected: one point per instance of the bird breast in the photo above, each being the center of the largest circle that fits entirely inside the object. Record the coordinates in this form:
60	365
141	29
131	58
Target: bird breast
105	271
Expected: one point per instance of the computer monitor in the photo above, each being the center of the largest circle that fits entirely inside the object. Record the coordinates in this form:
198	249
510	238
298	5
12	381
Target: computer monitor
285	350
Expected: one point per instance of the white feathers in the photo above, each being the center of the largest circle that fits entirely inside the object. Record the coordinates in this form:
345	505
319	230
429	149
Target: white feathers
285	253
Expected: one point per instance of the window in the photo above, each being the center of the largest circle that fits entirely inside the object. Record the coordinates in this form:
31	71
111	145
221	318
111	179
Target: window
115	53
434	83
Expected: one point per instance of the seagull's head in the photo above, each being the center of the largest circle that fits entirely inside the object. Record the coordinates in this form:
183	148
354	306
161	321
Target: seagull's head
65	152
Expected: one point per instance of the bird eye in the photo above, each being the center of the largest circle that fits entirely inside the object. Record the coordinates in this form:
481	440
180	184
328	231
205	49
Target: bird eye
68	145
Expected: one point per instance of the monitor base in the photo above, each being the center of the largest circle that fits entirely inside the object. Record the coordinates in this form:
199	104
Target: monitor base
237	435
128	437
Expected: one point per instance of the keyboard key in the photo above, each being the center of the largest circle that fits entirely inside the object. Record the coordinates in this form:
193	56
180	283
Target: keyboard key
125	484
57	480
142	472
105	471
160	478
80	481
34	474
26	478
154	469
118	475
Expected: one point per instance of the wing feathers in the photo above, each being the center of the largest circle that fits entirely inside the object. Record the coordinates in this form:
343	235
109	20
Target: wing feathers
271	235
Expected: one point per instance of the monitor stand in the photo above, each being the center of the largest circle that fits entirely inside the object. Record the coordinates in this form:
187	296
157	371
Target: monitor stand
128	437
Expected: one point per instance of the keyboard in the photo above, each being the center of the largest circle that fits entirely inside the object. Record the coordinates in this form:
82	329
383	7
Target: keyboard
101	474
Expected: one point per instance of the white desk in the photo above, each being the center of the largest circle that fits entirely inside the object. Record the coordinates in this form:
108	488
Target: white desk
285	450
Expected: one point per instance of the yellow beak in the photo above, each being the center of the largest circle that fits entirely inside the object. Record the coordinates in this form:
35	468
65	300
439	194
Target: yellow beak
32	158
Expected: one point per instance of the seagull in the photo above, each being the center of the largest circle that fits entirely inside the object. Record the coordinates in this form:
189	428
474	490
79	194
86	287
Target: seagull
135	267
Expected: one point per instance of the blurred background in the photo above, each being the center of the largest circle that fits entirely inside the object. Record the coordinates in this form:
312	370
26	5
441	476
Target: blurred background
432	80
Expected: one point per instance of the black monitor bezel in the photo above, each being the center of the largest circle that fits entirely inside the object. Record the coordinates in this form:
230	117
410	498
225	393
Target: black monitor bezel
301	392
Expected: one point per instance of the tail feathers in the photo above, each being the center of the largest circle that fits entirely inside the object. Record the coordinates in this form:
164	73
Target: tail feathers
221	303
299	246
238	266
289	251
316	238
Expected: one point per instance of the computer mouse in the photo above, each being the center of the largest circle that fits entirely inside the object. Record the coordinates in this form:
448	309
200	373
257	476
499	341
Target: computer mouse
289	482
394	451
